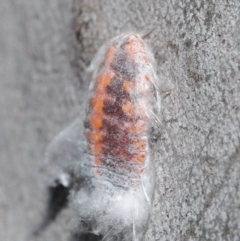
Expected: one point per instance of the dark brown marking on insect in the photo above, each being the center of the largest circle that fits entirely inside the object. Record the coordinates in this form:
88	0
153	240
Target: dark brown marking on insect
113	107
124	66
117	141
116	88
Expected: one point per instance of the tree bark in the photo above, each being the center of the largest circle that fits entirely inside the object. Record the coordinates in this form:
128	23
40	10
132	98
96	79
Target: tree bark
45	47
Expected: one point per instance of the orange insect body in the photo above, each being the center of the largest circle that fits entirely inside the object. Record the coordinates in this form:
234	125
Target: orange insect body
111	175
120	109
115	179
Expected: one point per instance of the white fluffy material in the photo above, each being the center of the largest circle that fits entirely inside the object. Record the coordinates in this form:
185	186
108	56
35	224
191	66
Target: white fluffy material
111	210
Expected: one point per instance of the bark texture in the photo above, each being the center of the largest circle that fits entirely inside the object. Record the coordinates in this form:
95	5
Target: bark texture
45	47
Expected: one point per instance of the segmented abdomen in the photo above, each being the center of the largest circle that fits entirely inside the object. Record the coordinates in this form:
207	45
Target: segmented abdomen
119	109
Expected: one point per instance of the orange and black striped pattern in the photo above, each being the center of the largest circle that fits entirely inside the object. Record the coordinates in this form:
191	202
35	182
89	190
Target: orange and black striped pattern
120	107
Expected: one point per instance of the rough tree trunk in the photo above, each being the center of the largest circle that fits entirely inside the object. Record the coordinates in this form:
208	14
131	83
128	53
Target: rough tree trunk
42	91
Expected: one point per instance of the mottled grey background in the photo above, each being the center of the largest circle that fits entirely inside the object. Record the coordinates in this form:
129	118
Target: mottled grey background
42	90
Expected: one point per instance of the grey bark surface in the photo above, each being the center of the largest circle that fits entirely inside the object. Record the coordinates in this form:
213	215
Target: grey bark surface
43	89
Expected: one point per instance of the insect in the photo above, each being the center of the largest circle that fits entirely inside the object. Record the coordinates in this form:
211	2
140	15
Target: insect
111	174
